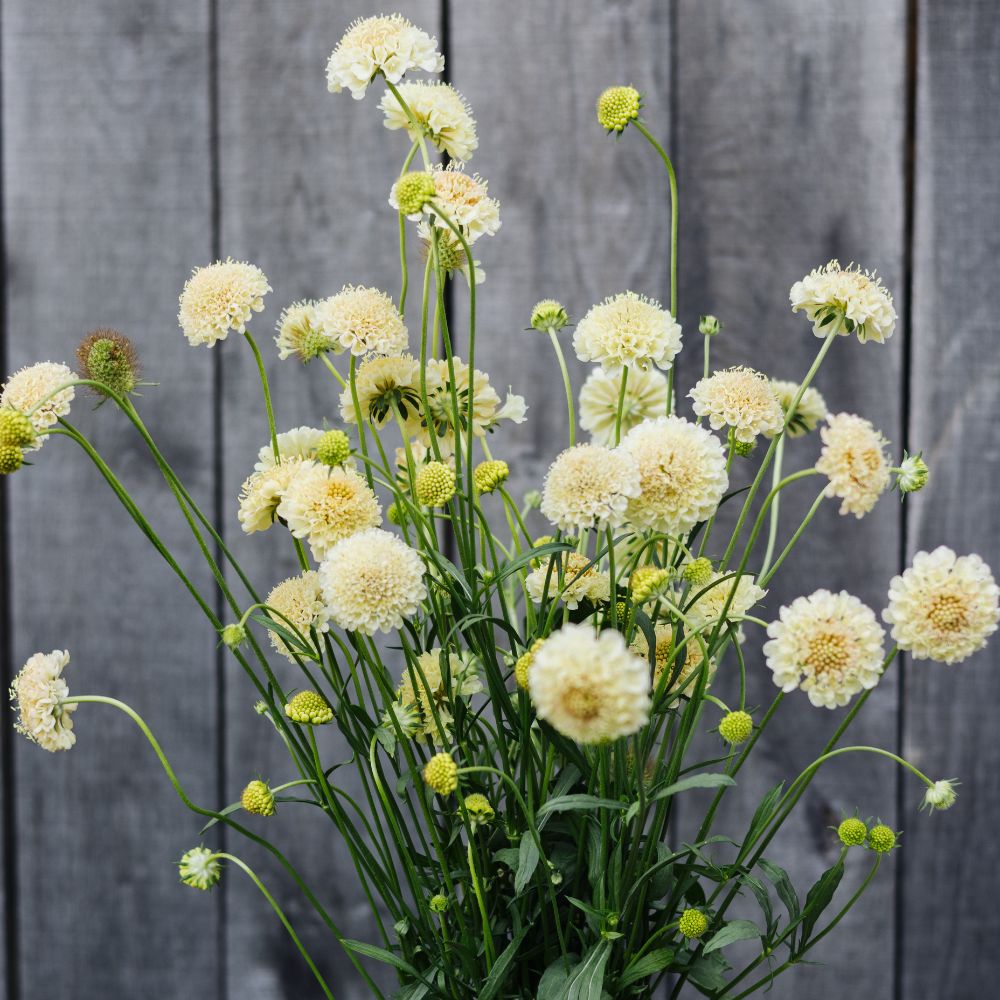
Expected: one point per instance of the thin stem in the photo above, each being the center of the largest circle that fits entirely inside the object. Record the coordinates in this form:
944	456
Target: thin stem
267	393
567	385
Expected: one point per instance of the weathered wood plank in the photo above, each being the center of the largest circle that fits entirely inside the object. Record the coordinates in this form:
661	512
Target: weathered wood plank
107	203
305	181
790	151
949	917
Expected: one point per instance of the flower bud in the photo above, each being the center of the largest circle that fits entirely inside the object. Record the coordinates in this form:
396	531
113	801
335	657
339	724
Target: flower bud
334	448
479	809
108	357
434	485
912	475
881	839
698	572
258	799
233	635
490	475
742	448
548	316
15	428
940	795
441	773
200	868
438	903
648	582
413	191
693	923
309	708
11	459
617	106
852	832
736	728
709	325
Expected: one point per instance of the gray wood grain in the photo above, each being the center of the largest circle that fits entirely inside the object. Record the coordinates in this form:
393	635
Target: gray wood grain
105	115
948	903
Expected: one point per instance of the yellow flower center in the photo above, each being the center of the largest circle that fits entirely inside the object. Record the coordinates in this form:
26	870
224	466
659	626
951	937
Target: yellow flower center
827	653
582	703
947	613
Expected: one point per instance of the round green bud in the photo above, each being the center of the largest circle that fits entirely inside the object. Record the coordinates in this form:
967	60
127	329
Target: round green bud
490	475
479	809
334	448
108	357
233	635
548	316
309	708
11	459
693	923
647	582
617	106
441	773
413	191
258	799
698	572
881	839
200	868
913	473
438	903
852	832
743	448
709	326
15	428
434	485
395	514
736	728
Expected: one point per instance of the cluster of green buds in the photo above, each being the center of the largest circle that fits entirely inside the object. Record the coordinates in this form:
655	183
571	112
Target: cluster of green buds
309	708
16	434
414	190
334	448
434	484
855	832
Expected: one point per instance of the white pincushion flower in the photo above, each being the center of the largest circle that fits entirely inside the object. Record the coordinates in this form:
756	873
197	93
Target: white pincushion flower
387	44
372	581
363	321
645	398
301	333
299	442
682	474
810	412
853	459
465	199
706	610
828	645
382	383
299	604
943	607
441	110
37	694
845	301
219	298
740	398
588	686
324	505
262	492
628	330
581	581
28	386
589	486
423	688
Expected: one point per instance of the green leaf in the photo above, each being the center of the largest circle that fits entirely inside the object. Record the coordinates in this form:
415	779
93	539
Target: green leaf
818	898
553	982
567	803
783	884
646	966
381	955
735	930
764	813
502	967
231	808
586	981
291	639
763	898
527	861
716	780
709	973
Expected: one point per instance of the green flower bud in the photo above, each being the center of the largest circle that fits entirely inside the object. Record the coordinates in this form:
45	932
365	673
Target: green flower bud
258	799
617	106
490	475
234	635
736	728
309	708
881	839
698	572
15	429
108	357
413	191
548	316
693	923
334	448
200	868
434	485
11	459
438	903
852	832
709	325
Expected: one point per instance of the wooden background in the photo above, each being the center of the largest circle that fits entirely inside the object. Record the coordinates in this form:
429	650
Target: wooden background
143	137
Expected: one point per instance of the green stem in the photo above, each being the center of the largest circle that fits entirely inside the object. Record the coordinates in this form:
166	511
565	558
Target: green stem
567	385
267	393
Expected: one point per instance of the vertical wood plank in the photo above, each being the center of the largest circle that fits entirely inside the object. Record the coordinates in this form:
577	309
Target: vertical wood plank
947	904
107	203
790	152
305	178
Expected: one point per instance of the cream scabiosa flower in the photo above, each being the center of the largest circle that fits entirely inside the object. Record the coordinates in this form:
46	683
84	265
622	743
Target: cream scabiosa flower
324	505
645	398
810	412
693	663
261	494
589	686
387	44
382	383
372	581
707	607
37	695
301	333
589	486
363	321
441	111
853	459
829	645
299	442
298	601
628	330
682	474
844	301
943	607
581	581
424	688
220	297
464	198
28	386
740	398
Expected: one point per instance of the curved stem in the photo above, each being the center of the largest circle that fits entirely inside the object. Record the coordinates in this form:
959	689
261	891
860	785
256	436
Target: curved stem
567	385
267	394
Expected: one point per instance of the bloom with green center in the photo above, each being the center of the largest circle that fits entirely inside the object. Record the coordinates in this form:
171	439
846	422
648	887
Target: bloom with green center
617	106
490	475
736	728
258	799
693	923
200	868
434	484
441	773
881	839
852	832
333	448
548	316
413	190
309	708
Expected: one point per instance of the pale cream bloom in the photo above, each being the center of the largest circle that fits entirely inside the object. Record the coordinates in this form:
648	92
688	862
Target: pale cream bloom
451	254
853	459
261	494
581	581
645	398
324	505
363	321
943	607
465	199
693	659
37	694
740	398
441	110
808	415
589	486
28	386
589	686
628	330
220	297
380	382
372	581
706	610
387	44
299	599
845	301
423	687
301	333
299	442
828	645
682	469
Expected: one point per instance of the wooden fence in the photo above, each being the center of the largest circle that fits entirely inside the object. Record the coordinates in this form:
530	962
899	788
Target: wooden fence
143	137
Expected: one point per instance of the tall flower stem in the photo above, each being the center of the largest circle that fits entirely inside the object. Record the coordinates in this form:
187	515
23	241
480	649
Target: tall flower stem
267	393
567	385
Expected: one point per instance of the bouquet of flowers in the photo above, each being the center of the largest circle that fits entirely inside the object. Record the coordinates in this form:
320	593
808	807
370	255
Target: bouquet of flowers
522	740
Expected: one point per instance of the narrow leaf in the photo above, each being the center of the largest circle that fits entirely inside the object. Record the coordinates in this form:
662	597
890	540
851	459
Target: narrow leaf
381	955
716	780
735	930
527	861
587	980
502	966
818	898
642	968
567	803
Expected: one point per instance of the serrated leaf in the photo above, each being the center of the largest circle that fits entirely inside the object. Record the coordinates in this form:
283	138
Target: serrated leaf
735	930
646	966
527	861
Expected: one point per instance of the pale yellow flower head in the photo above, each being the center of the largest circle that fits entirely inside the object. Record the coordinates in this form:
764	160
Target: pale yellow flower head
302	335
37	694
943	607
845	301
589	486
261	494
372	581
424	688
221	297
387	44
588	686
740	398
645	398
381	383
441	110
29	386
854	460
299	604
706	610
465	199
299	442
628	330
808	415
363	321
581	581
828	645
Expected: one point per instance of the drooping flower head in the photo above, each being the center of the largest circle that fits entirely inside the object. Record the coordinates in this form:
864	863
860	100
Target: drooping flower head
810	412
589	486
372	581
28	386
740	398
301	333
424	688
37	695
828	645
581	580
442	113
200	868
220	297
845	301
363	321
943	607
589	686
682	474
645	398
853	459
387	44
382	384
628	330
298	602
